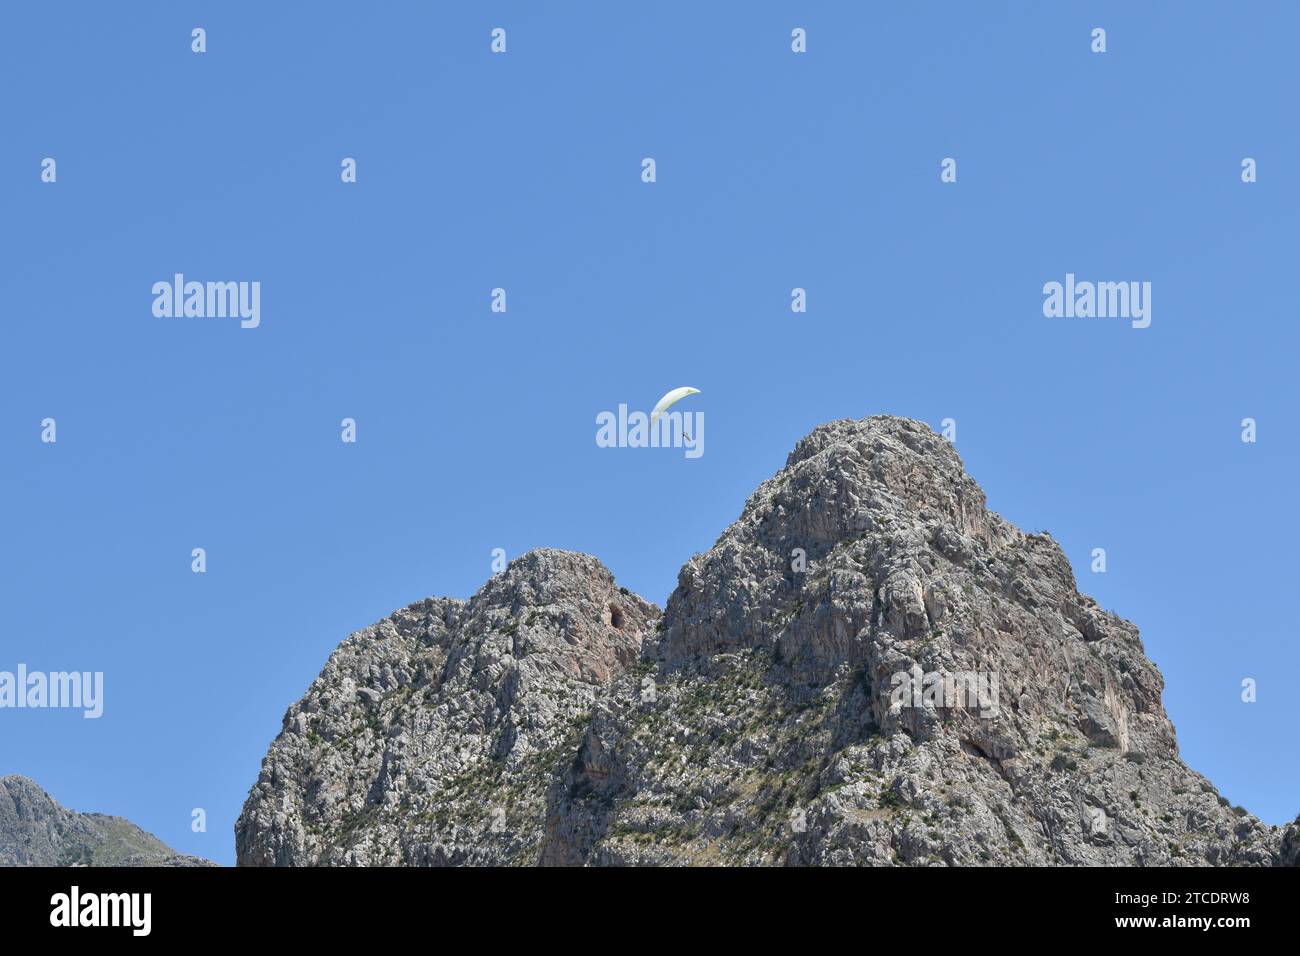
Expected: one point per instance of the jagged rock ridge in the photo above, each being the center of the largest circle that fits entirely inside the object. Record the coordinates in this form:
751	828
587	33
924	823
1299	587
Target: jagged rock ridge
557	719
36	831
426	737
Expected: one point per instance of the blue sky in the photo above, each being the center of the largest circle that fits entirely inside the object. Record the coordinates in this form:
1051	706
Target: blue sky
476	430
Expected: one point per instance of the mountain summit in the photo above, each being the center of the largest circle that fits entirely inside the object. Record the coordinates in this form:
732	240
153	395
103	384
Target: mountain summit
36	831
868	667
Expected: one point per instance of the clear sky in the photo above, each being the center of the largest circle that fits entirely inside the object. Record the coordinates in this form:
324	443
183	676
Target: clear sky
475	430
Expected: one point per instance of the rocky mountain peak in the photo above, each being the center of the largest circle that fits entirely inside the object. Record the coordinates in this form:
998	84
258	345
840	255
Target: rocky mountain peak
567	607
883	494
886	464
867	667
36	831
435	706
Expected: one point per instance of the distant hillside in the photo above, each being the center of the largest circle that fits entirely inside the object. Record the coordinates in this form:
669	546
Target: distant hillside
36	831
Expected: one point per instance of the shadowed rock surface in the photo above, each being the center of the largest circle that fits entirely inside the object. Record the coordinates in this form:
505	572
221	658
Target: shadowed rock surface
557	719
36	831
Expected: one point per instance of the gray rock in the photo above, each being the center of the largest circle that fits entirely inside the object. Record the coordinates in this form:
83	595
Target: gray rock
36	831
555	718
432	736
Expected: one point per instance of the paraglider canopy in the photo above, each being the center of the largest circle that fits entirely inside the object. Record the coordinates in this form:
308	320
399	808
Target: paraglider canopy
671	399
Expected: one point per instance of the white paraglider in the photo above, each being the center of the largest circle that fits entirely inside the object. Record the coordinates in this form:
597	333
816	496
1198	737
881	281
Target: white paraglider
669	400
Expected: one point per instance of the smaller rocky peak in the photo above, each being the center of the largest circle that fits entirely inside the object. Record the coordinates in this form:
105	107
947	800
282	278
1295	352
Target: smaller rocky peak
35	830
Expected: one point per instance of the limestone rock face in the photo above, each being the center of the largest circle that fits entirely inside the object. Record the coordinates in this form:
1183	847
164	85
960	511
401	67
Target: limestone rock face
36	831
868	667
430	737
